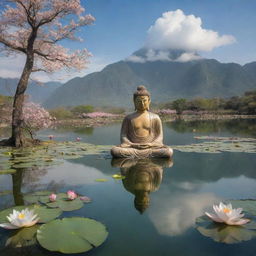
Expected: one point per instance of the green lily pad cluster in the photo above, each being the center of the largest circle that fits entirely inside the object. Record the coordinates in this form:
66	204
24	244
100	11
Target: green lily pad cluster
62	201
68	235
219	144
47	154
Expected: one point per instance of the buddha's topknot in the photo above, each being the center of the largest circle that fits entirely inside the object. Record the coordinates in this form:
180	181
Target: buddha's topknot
141	91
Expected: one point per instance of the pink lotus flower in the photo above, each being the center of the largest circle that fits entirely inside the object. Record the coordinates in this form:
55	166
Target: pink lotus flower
78	139
52	197
71	195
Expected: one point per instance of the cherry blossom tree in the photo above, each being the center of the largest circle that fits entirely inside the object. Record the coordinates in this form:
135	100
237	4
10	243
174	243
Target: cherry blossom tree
35	28
35	118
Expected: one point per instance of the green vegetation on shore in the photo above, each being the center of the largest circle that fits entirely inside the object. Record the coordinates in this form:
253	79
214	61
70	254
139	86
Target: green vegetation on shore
245	104
237	105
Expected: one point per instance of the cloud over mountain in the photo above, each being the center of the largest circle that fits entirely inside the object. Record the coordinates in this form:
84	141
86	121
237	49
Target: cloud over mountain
175	30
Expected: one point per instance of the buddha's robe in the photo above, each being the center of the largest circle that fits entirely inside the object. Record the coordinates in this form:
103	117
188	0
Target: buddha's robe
135	146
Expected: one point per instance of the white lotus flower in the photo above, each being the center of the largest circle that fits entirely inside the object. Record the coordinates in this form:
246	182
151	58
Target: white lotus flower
25	218
225	214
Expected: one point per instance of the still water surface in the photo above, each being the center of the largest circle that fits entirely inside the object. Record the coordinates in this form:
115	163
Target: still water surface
153	210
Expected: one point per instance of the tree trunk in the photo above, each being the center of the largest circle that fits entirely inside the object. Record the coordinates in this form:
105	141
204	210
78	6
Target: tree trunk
17	139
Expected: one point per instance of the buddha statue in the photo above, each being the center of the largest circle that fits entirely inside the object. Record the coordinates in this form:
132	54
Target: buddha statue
142	176
141	132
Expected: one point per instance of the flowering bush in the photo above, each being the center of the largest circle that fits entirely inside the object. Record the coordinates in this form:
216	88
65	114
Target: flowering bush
97	115
194	112
167	112
35	117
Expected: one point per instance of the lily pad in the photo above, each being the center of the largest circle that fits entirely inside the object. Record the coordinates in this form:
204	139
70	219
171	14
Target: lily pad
72	235
61	201
248	205
8	171
101	180
223	233
23	237
39	196
118	176
45	214
66	205
47	154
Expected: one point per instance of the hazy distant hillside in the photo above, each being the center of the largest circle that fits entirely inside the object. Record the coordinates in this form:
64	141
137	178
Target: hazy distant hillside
38	93
166	80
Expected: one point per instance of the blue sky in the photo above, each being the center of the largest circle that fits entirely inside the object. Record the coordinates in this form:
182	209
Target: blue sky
121	28
121	25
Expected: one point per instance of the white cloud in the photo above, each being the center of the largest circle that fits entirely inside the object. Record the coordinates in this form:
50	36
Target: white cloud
178	213
175	30
157	55
162	55
80	175
150	55
188	56
134	58
11	66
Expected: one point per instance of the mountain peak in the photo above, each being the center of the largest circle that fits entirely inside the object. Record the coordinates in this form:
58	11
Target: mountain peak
145	54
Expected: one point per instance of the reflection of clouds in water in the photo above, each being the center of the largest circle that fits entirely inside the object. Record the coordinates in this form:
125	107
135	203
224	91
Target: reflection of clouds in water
178	213
187	185
72	174
6	185
5	182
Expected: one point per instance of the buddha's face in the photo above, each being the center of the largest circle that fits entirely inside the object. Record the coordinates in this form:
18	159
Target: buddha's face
142	103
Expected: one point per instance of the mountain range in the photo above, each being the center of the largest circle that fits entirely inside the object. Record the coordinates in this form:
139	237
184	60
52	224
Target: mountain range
37	92
166	80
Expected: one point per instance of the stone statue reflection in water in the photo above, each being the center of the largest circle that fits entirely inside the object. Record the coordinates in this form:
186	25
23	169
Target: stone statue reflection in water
141	133
142	176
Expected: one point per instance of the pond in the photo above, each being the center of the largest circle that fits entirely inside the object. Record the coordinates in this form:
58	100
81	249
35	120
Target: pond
153	211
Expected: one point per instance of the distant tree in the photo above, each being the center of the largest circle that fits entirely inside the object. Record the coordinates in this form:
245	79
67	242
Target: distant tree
35	28
60	113
179	105
82	109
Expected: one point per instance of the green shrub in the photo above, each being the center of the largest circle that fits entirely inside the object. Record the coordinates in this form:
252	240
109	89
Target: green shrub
77	110
60	113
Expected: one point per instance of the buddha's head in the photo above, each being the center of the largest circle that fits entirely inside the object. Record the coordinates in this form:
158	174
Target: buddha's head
141	98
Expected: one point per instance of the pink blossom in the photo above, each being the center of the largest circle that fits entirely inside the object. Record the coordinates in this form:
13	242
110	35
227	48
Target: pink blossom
78	139
71	195
52	197
167	112
35	117
98	115
54	20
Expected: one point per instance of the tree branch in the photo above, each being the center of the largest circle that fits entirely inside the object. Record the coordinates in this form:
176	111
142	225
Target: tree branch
29	19
39	69
50	19
7	44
